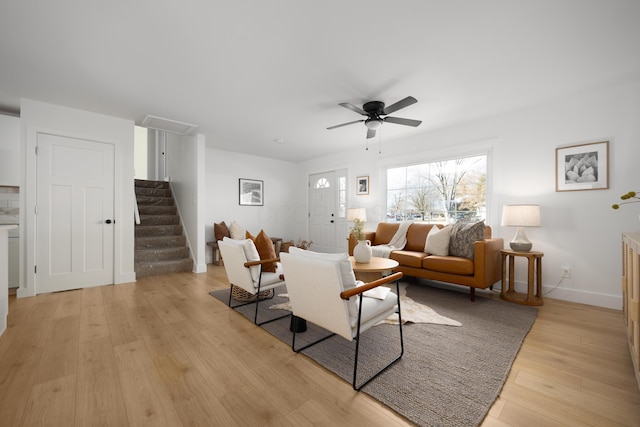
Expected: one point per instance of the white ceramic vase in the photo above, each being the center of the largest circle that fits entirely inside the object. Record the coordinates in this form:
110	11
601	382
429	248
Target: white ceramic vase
362	251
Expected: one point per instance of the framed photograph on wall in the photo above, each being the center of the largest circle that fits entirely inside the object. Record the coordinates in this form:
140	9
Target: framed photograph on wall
251	192
583	167
362	185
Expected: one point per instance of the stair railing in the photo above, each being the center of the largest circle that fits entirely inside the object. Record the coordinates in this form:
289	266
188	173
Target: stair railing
136	212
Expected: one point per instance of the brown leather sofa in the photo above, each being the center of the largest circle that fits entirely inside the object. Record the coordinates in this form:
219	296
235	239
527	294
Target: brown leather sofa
482	271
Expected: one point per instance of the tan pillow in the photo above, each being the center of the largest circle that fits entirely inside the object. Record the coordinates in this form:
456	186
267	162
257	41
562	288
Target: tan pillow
221	231
235	231
265	250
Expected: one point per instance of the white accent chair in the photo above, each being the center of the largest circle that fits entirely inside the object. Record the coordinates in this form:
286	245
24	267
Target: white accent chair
244	270
323	290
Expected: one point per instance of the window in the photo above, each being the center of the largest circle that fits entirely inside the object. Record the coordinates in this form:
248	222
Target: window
322	183
342	196
438	192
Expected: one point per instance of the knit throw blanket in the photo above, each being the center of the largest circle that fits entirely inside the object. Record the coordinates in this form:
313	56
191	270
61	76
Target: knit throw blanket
397	242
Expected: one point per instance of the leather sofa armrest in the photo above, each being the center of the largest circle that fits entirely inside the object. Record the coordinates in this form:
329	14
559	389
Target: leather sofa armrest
488	261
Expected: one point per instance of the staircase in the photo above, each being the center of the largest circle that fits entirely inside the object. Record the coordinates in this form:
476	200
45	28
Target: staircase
160	245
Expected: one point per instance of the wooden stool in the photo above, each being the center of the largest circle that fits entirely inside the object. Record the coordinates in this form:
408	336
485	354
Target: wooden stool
215	256
534	294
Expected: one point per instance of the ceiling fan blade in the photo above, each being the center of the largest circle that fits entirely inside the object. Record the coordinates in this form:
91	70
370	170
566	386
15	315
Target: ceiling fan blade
345	124
353	108
400	121
409	100
371	133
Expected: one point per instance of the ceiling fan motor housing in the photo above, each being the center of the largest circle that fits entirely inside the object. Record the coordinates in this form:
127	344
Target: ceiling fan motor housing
374	107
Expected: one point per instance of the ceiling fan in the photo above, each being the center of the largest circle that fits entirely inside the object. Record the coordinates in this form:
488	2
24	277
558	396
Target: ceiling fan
374	110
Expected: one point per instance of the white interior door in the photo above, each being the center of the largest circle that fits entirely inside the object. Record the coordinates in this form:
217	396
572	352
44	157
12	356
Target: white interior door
322	212
74	221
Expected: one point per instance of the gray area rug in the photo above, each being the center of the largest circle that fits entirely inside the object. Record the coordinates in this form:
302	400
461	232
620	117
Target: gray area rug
448	376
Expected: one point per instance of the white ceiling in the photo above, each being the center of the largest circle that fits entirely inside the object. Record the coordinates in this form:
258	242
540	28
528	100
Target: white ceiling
249	73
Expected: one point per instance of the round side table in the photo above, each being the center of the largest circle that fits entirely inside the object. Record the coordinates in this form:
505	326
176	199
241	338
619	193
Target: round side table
372	270
534	294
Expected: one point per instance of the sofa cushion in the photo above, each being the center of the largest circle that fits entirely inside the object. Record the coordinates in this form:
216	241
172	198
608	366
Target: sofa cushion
449	264
417	235
463	237
438	241
385	232
408	258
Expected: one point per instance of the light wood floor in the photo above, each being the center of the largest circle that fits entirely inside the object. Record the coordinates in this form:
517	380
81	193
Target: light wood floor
163	352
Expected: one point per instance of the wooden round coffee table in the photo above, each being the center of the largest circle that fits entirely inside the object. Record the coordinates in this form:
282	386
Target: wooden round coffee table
372	270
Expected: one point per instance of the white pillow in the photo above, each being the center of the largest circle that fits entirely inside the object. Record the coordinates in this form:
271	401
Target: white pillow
236	232
438	241
346	272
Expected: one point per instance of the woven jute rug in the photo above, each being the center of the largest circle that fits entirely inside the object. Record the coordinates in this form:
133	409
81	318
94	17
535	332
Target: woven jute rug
448	376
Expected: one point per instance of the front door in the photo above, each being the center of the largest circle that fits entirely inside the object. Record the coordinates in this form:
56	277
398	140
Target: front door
322	212
75	206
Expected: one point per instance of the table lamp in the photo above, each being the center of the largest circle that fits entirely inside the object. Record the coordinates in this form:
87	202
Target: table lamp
358	216
520	216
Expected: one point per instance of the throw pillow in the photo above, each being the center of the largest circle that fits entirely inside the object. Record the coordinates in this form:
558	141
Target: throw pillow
266	250
438	241
463	237
236	232
221	231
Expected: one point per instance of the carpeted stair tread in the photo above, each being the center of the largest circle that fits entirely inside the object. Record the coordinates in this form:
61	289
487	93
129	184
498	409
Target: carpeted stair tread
160	242
157	210
150	184
158	230
159	220
152	268
153	192
154	201
162	254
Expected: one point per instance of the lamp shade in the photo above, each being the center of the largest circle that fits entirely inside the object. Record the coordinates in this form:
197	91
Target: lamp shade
521	216
357	214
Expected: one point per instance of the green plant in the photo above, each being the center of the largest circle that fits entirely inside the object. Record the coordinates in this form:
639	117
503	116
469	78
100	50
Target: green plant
626	197
358	229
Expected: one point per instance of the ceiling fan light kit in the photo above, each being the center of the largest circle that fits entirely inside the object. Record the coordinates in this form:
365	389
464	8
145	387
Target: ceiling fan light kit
374	110
373	124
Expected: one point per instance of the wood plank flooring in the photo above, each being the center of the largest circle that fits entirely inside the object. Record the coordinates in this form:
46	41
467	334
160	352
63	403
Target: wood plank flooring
163	352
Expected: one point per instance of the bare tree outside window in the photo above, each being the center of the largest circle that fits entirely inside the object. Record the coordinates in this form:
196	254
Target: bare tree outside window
442	192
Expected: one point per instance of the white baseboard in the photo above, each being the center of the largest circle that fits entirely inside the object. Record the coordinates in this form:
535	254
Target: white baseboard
573	295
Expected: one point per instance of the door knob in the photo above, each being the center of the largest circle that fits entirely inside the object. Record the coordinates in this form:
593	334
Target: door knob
331	221
108	221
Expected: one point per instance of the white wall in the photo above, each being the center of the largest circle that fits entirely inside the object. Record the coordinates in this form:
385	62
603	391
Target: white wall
579	228
283	214
9	150
185	168
41	117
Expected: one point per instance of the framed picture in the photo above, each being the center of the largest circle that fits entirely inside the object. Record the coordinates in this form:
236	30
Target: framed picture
362	185
251	192
583	167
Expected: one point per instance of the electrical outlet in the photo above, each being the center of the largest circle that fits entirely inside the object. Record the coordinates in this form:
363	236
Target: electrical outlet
566	272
